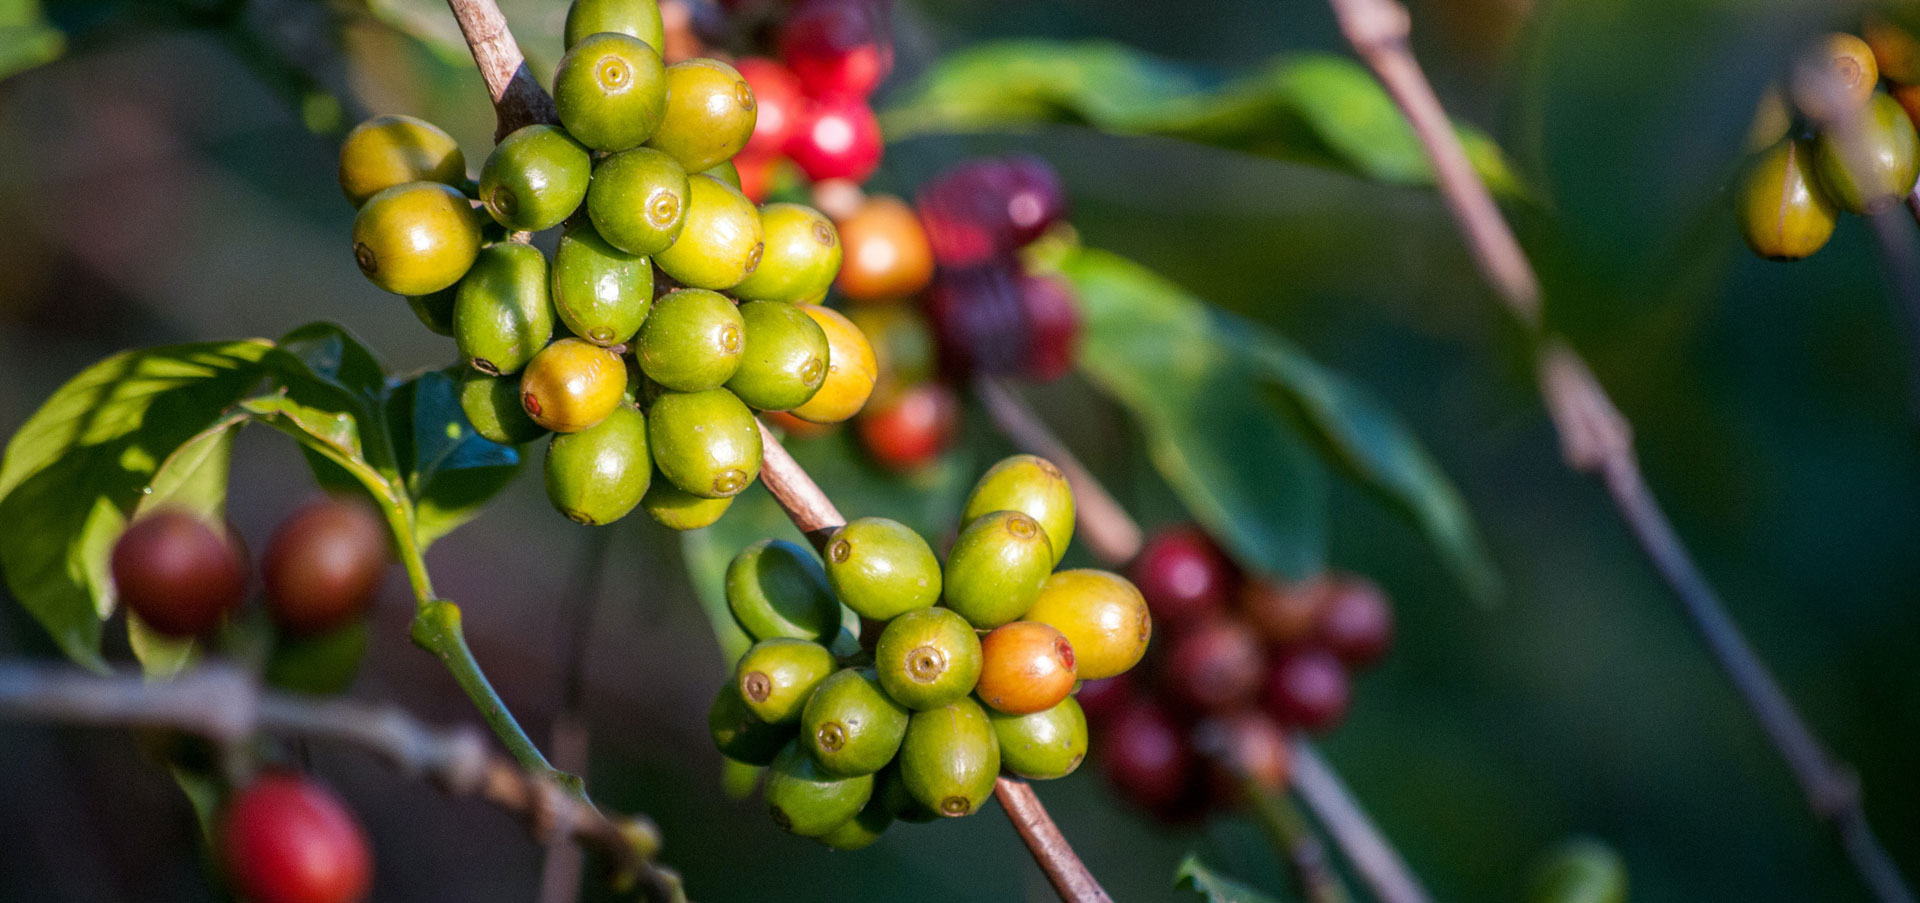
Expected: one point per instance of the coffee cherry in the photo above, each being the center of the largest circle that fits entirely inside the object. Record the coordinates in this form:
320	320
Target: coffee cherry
573	384
801	256
777	677
721	243
639	18
860	831
710	114
807	801
322	664
1042	745
1582	870
324	564
726	172
881	568
1839	62
638	200
535	177
1307	688
415	239
1183	576
503	312
950	758
1025	667
1243	747
851	369
1357	626
1146	756
1033	486
837	48
1104	699
434	311
794	429
1885	138
838	138
693	340
764	175
597	475
778	99
492	406
177	574
927	658
890	791
1284	614
1895	50
1215	666
850	725
996	568
1052	320
902	341
887	255
287	840
1771	120
783	359
1101	614
677	509
601	293
983	209
611	91
1784	212
393	150
706	443
739	734
911	428
777	589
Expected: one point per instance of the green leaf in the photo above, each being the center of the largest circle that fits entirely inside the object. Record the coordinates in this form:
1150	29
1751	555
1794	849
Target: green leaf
194	479
27	39
325	368
1315	108
82	462
450	471
1244	471
1194	875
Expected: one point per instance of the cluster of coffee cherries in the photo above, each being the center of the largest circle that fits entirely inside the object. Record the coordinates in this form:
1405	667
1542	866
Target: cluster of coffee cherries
184	579
816	116
1804	172
671	307
961	669
1245	662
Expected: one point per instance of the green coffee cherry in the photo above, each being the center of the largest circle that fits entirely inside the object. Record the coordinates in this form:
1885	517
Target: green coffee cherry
535	178
927	658
320	664
881	568
492	405
503	315
783	360
1582	870
597	475
677	509
739	734
638	200
851	725
738	780
611	91
996	568
777	677
726	172
639	18
807	801
435	311
1784	213
950	759
1043	745
860	831
801	258
393	150
415	239
1891	151
721	242
710	114
778	589
706	443
1033	486
890	791
692	340
600	292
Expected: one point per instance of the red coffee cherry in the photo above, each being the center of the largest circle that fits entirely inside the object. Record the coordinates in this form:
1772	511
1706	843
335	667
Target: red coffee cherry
1104	699
838	138
1357	625
1240	747
177	574
287	840
1035	199
989	207
912	429
1216	666
778	103
1308	688
1183	575
324	565
1052	325
1147	757
1026	667
838	48
977	319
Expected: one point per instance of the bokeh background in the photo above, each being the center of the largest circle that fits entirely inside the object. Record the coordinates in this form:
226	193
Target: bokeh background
160	183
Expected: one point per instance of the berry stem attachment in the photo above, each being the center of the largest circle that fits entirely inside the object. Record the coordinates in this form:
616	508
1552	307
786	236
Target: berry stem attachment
1597	439
518	99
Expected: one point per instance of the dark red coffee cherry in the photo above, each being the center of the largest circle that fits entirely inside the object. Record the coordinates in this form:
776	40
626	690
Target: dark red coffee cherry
324	565
287	840
1240	748
1147	757
1215	666
1308	688
1105	699
1184	577
911	429
978	321
177	574
987	208
1357	625
780	102
838	138
838	48
1052	325
1034	198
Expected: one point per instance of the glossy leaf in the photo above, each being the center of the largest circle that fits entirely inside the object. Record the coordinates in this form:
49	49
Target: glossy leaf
449	470
1315	108
27	39
193	478
1212	886
83	461
323	367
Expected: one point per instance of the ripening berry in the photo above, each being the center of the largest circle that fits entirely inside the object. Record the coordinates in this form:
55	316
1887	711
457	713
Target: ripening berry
1282	613
911	429
177	574
887	255
287	840
1026	667
1215	666
1101	614
324	565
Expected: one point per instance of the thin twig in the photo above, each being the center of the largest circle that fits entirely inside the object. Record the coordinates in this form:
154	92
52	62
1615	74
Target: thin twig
518	99
1372	857
227	706
1287	830
1597	439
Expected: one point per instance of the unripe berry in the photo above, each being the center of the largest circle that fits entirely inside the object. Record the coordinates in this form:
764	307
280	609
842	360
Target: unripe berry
286	840
177	574
1183	575
1308	688
324	565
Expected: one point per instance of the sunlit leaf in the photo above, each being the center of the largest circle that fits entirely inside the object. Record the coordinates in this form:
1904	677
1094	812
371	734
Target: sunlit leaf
27	39
449	470
194	479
